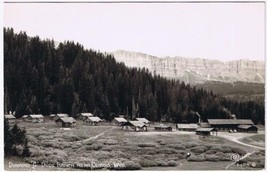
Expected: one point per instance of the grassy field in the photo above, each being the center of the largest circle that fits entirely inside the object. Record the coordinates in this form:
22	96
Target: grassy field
257	140
109	147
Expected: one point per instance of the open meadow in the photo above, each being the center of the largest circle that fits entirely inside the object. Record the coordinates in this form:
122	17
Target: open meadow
109	147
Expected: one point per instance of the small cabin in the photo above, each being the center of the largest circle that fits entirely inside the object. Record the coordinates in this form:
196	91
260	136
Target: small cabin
94	120
10	119
66	122
36	118
60	115
247	128
206	131
134	125
52	116
144	120
162	127
187	127
25	118
83	116
119	121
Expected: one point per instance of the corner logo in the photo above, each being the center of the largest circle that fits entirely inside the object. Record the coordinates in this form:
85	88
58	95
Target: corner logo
238	160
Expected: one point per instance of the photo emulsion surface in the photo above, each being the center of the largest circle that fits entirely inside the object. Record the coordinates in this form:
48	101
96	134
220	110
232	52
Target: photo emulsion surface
134	86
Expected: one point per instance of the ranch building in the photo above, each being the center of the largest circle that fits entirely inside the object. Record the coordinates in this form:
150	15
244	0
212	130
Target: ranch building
83	116
93	120
187	127
144	120
38	118
247	128
66	122
163	128
60	115
134	125
228	124
119	121
206	131
10	119
52	116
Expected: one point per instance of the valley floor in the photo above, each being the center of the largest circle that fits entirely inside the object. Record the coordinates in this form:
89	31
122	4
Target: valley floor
109	147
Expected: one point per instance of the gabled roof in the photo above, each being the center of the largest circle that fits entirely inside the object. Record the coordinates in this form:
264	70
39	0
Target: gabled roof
25	116
204	125
86	114
187	126
67	119
135	123
9	117
205	129
120	119
230	121
94	119
246	126
144	120
62	115
36	116
52	115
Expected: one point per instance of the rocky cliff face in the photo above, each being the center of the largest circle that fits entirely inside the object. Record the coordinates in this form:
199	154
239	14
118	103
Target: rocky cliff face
195	70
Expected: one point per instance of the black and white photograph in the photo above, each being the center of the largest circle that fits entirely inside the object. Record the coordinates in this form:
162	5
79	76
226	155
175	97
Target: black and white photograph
133	85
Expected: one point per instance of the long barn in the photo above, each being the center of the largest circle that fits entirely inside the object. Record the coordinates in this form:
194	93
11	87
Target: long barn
228	124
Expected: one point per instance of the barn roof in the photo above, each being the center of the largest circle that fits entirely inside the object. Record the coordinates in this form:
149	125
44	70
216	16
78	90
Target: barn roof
62	115
68	120
36	116
87	114
135	123
120	119
204	125
163	126
187	126
205	129
246	126
9	117
94	119
230	121
144	120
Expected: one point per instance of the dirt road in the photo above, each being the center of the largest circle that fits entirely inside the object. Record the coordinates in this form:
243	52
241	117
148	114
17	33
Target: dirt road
235	137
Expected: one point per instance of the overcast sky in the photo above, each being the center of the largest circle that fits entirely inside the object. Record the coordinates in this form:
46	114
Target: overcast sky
224	31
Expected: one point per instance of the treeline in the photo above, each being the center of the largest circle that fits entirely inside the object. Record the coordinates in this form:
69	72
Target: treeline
42	78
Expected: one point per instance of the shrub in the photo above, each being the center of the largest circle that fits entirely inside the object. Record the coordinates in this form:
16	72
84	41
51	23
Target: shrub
147	163
198	149
238	151
19	149
111	142
190	145
131	165
161	163
226	149
94	147
165	150
177	146
211	158
146	145
172	163
223	156
211	151
199	158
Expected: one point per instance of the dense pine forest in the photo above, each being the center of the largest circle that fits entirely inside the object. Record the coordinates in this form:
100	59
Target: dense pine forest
40	77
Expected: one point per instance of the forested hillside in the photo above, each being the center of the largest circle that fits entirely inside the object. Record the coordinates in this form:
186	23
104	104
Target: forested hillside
42	78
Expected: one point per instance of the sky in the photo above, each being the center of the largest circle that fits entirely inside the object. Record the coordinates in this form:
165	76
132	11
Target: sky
223	31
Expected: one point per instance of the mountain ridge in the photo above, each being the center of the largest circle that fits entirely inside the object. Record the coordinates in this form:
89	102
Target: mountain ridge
195	70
